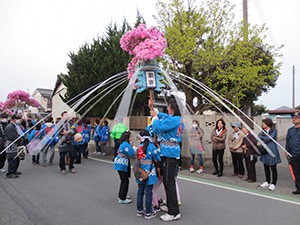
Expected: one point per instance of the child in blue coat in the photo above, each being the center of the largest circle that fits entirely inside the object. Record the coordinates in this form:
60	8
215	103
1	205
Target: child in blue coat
146	154
122	165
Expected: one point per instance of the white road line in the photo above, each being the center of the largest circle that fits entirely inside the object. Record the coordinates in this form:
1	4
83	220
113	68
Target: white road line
239	190
220	186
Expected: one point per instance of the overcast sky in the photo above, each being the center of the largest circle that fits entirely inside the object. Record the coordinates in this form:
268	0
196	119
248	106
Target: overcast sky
37	35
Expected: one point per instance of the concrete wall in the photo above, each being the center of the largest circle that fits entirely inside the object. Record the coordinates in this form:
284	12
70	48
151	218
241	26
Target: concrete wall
207	123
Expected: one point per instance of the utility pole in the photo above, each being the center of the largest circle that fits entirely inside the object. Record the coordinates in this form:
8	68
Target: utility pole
245	19
293	89
245	35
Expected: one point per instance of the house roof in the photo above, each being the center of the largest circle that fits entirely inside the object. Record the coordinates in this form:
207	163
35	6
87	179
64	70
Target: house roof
46	93
282	110
57	84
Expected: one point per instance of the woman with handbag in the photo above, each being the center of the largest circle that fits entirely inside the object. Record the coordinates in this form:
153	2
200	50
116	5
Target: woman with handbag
122	165
146	155
269	162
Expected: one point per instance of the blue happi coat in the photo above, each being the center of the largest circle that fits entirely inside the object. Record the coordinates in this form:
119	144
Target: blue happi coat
122	163
152	154
86	133
169	130
104	134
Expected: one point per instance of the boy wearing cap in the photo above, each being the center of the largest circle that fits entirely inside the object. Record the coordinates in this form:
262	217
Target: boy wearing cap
235	142
293	147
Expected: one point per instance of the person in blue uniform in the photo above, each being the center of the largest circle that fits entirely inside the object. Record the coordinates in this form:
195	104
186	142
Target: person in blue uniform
122	165
169	128
146	154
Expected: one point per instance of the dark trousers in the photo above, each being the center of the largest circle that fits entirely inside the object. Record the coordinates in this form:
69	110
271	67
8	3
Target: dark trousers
13	165
268	170
117	145
36	159
169	170
85	152
295	163
217	156
124	185
78	151
237	162
98	149
250	166
2	159
62	162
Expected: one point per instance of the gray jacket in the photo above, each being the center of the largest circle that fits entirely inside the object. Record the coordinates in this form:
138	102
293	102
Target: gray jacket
11	134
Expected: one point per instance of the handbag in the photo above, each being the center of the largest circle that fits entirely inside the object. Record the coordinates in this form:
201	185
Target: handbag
140	174
262	150
21	150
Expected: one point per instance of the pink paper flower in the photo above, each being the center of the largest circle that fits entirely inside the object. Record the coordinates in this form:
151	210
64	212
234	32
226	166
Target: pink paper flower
32	102
9	103
144	44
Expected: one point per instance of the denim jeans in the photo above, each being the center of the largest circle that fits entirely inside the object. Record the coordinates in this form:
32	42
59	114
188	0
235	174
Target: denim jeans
147	190
169	169
200	159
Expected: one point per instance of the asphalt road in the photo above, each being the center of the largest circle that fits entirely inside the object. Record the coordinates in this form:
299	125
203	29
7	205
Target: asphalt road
42	196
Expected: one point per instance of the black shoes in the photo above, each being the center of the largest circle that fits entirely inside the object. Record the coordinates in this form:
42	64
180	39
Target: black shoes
215	172
297	192
18	173
220	174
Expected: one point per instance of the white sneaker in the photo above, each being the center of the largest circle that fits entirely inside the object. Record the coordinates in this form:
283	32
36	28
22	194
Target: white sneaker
2	170
192	169
166	217
272	187
98	153
95	153
126	201
200	171
164	208
265	184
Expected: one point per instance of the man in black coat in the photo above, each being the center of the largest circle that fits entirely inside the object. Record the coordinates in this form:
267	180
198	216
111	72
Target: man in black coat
12	133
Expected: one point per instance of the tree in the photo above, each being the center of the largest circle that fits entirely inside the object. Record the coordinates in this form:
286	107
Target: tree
97	62
204	43
258	109
94	63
